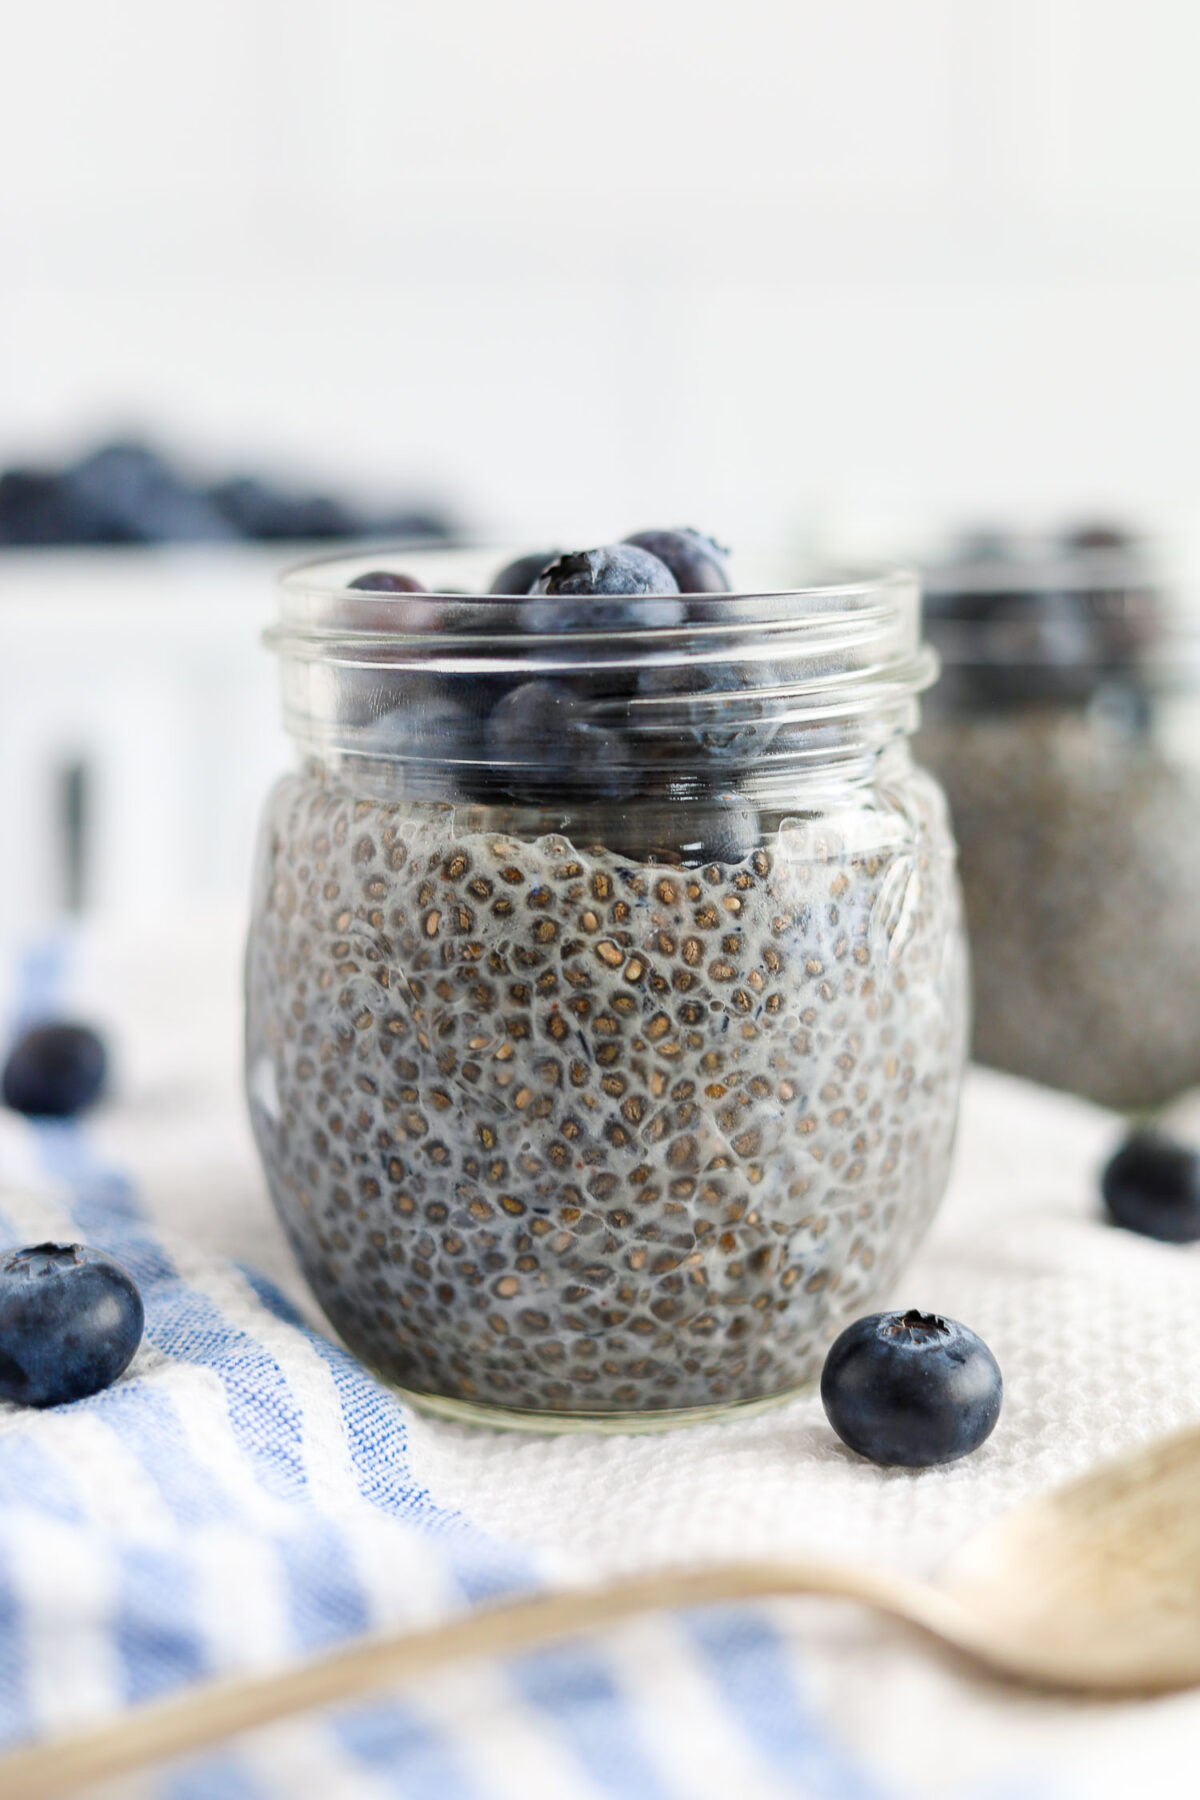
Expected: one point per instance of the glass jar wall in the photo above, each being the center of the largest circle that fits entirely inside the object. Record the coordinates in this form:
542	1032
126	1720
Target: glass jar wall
606	987
1066	732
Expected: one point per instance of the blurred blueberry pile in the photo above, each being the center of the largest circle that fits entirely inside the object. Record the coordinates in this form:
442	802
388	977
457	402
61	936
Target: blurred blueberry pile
127	492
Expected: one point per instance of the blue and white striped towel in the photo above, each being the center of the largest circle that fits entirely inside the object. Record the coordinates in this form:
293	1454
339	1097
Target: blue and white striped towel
246	1494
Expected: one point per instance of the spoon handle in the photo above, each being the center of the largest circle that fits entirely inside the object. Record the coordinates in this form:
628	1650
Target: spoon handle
204	1715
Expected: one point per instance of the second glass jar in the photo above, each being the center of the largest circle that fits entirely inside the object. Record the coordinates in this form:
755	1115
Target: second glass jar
1066	731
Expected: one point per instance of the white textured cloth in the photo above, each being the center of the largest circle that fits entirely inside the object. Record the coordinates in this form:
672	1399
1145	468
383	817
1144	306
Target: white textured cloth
1094	1329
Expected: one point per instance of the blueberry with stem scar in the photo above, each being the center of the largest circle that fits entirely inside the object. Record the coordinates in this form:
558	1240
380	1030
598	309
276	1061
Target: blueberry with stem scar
70	1321
911	1388
618	588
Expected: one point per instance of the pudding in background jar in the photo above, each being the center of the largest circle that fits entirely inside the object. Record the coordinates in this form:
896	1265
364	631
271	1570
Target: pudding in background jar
1066	732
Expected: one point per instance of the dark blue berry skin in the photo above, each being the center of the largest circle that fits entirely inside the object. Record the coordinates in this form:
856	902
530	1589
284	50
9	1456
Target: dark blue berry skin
1152	1186
720	739
54	1071
544	726
258	510
385	581
142	499
602	590
518	576
697	562
911	1388
70	1321
265	514
38	508
431	724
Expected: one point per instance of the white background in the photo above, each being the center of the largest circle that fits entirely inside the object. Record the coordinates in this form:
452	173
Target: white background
595	265
793	270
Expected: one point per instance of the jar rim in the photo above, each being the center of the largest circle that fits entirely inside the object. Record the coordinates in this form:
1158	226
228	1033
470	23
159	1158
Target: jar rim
306	578
779	675
874	616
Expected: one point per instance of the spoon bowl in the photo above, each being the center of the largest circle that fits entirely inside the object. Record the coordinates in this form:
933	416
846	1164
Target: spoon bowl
1094	1586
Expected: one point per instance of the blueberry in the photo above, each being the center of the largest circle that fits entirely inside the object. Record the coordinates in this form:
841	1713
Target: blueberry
1152	1185
70	1321
430	722
697	562
39	508
1038	646
722	829
1016	646
1098	534
612	583
54	1071
257	510
518	576
726	730
551	747
384	581
911	1388
142	499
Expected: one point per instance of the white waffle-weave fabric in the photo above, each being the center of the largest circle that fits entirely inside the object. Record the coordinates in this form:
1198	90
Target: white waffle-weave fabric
246	1493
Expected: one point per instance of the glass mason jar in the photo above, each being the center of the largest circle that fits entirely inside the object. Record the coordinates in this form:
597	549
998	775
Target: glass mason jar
1066	731
604	1038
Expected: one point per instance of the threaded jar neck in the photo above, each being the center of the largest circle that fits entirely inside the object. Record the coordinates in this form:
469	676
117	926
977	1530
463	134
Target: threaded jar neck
765	687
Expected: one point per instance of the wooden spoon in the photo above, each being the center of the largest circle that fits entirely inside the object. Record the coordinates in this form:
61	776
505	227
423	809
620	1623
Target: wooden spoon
1094	1586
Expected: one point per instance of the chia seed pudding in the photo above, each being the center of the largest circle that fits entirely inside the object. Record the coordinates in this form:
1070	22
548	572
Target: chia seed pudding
1066	734
611	1094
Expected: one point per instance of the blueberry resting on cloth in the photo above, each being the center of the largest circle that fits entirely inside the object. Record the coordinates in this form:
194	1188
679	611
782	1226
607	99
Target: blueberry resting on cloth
542	732
613	581
518	576
911	1388
697	562
383	581
1152	1185
54	1071
70	1321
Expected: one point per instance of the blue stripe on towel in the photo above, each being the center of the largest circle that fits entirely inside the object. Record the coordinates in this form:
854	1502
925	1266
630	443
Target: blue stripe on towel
30	1476
408	1756
15	1708
147	1422
578	1696
222	1777
155	1629
749	1665
267	1363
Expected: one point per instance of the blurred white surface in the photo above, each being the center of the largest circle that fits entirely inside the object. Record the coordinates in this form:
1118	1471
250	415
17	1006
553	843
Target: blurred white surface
1093	1327
589	267
802	274
144	669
